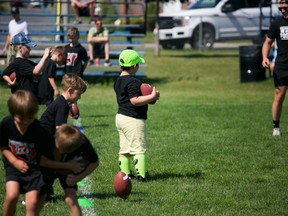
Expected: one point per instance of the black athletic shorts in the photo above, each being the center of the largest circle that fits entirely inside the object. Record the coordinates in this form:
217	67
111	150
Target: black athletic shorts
49	177
32	180
98	50
280	80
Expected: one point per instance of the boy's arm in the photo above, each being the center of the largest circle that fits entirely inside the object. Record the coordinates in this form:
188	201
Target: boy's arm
73	179
143	100
18	164
54	86
9	81
42	62
265	51
74	166
7	43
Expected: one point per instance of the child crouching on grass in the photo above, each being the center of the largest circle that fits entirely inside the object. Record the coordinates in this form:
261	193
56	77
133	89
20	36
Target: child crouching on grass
25	145
72	145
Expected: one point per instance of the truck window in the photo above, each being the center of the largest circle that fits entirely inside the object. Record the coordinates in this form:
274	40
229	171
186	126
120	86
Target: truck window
204	4
253	3
237	4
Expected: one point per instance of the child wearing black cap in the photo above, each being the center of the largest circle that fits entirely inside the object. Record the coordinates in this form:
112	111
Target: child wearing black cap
132	114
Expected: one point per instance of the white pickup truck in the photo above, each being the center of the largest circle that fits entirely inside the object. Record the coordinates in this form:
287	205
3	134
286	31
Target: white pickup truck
207	21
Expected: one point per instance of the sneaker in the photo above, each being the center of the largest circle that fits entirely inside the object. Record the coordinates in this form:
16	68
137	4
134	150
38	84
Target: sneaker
107	64
50	198
143	179
77	21
276	132
131	175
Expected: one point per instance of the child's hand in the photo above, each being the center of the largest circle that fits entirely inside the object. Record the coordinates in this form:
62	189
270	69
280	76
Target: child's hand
76	167
155	93
71	180
13	83
47	52
21	166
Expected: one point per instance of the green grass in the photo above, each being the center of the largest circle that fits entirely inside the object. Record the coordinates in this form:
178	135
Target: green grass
210	148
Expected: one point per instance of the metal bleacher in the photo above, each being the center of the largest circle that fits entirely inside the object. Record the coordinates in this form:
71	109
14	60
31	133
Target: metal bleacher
48	25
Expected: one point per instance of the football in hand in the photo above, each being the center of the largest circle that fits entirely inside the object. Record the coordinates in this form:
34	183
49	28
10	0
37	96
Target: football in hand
122	185
74	110
12	76
147	89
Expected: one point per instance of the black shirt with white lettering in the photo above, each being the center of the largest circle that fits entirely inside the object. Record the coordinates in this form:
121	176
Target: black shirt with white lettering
279	31
27	147
76	58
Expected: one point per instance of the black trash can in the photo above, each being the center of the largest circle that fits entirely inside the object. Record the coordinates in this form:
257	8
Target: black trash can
251	68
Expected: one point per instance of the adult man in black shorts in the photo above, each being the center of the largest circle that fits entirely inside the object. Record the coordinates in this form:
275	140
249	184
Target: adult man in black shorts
279	31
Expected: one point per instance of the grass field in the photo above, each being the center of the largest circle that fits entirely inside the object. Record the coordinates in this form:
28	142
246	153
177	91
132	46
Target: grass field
210	148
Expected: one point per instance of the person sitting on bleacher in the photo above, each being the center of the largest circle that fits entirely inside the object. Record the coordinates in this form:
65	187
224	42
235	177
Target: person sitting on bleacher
83	8
98	39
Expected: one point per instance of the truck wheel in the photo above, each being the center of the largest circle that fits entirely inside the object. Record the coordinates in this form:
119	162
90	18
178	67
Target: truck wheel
178	46
208	38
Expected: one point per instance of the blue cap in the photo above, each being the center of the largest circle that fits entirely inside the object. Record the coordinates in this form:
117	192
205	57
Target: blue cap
22	39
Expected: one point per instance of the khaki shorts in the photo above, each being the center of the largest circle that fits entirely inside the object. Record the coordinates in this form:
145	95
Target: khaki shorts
10	55
132	134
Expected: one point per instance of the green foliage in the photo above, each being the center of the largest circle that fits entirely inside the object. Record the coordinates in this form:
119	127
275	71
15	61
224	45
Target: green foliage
209	137
151	16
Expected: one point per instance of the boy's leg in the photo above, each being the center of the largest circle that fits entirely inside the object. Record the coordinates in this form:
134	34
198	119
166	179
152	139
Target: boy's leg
107	51
71	201
91	51
140	165
31	202
11	198
91	10
124	163
75	10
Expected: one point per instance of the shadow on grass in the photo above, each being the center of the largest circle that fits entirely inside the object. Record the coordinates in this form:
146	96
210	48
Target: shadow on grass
204	55
163	176
96	126
60	198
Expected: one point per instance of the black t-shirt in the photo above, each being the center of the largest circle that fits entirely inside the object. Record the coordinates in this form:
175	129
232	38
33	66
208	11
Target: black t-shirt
127	87
55	114
27	147
85	151
45	90
24	74
279	31
76	57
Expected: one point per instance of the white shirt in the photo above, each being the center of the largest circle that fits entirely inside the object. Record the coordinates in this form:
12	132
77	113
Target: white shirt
17	27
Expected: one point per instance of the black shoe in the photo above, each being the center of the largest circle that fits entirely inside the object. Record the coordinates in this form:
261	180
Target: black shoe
131	175
143	179
50	198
